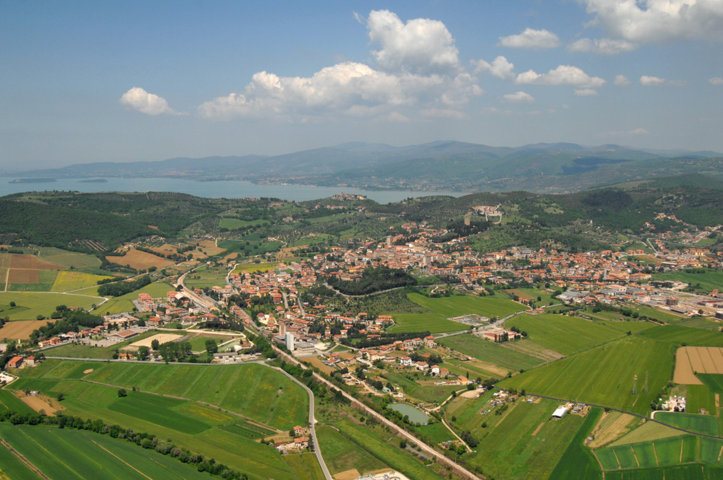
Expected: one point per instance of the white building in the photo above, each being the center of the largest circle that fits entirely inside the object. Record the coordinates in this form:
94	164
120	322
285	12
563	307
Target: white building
290	341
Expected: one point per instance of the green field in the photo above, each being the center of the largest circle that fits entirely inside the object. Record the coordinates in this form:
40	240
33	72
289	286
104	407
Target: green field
524	442
714	382
442	308
206	278
124	303
44	283
710	280
489	352
425	393
89	351
70	453
682	472
563	334
341	453
679	335
604	375
256	401
700	397
64	258
32	304
666	452
689	421
9	402
578	463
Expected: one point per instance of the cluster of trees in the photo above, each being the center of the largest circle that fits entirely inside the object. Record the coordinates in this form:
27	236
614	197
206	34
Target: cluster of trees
176	352
384	339
261	345
69	321
141	439
374	280
121	288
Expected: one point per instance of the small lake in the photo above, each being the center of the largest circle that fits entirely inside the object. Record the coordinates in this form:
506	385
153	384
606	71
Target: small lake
208	189
415	415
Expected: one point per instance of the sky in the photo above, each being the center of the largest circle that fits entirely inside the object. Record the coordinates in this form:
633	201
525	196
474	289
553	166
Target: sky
89	81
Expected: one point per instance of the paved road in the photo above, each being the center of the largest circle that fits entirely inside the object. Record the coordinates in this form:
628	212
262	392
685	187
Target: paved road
459	469
312	423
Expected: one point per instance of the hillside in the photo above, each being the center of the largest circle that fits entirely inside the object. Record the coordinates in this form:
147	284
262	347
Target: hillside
437	166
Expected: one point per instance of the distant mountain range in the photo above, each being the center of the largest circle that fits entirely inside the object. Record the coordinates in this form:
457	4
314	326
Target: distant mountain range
437	166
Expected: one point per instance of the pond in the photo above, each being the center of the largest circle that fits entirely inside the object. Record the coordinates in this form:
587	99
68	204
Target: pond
415	415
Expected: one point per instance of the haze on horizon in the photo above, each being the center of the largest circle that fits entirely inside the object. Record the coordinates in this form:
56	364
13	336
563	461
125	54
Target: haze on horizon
133	81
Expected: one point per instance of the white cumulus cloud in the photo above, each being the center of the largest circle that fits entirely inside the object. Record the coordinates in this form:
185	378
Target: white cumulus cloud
621	80
562	75
531	38
420	46
716	81
150	104
601	46
651	81
500	67
417	66
519	97
659	20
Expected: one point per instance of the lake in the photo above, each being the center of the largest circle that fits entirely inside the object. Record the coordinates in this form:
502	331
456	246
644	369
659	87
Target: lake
209	189
415	415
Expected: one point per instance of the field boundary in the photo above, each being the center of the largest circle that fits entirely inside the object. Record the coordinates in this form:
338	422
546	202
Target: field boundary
120	459
24	460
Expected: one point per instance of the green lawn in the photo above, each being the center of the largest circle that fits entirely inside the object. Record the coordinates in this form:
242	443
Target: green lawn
424	322
604	375
698	397
563	334
489	352
425	393
77	454
254	267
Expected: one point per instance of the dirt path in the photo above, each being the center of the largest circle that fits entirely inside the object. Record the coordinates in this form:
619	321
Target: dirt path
121	460
7	278
657	463
635	455
24	460
720	453
539	427
682	443
617	460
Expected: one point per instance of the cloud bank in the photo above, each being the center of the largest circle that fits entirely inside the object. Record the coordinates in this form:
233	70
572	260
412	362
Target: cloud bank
144	102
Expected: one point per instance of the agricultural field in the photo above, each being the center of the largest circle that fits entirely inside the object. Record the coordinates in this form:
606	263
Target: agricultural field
647	432
244	403
254	267
690	361
458	305
32	304
662	452
67	259
679	335
124	303
578	463
563	334
710	280
20	329
68	281
531	294
524	442
424	322
490	352
206	277
140	260
692	422
79	350
27	280
341	454
66	453
604	375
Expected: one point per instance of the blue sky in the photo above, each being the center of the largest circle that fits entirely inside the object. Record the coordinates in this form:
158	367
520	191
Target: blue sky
121	81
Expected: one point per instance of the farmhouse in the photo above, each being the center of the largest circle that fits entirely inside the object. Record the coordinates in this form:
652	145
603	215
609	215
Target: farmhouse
15	362
122	335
